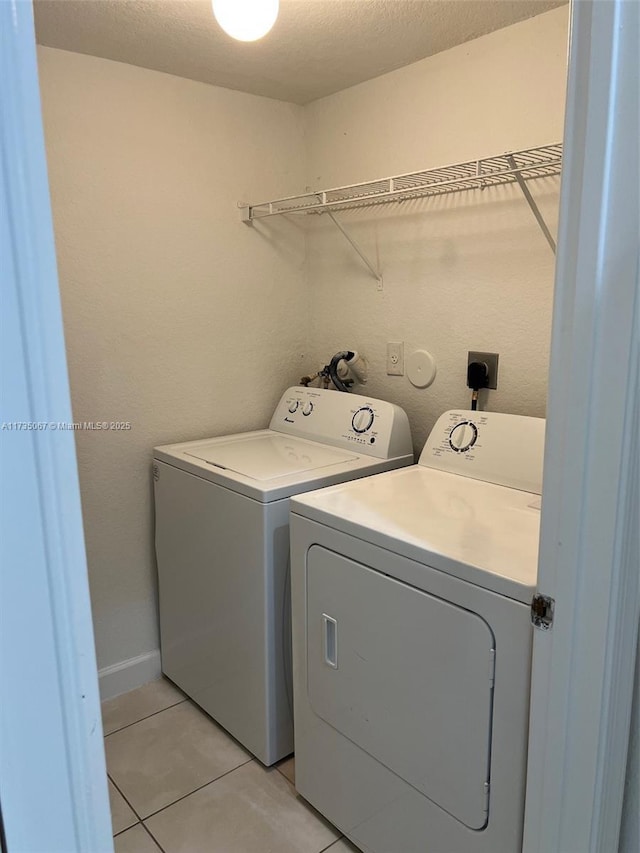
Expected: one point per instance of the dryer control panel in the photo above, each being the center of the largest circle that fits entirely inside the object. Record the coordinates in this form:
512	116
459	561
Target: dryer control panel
362	424
490	446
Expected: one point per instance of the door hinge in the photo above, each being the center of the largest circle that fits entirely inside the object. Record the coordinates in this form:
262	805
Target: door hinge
487	790
492	667
542	608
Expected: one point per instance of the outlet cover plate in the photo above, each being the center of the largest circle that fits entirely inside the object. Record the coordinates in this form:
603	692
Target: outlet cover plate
491	360
395	358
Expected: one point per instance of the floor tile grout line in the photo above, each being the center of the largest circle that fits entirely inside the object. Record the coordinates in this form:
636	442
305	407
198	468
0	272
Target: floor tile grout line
141	820
113	782
152	836
287	778
127	828
195	790
148	716
328	847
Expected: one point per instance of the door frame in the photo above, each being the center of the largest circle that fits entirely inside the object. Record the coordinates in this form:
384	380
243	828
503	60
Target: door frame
583	666
53	782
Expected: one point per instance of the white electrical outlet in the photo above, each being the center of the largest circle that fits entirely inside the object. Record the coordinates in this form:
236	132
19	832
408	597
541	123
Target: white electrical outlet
395	358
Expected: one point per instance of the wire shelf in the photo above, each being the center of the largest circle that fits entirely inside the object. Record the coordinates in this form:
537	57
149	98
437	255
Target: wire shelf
507	168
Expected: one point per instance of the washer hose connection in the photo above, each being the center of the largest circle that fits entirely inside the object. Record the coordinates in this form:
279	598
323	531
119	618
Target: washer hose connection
332	370
331	375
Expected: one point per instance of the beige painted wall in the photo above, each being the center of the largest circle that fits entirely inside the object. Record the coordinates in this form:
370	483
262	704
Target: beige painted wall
461	272
178	318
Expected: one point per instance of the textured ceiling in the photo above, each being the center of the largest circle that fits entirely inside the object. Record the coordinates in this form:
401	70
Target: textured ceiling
316	47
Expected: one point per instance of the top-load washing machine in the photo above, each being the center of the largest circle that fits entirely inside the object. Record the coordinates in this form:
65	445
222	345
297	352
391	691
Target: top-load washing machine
411	600
222	546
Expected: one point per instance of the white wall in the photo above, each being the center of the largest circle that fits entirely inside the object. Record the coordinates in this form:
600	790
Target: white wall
462	271
178	318
187	323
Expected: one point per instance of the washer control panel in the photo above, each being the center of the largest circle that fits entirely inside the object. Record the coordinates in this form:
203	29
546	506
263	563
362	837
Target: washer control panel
373	427
363	419
492	446
463	436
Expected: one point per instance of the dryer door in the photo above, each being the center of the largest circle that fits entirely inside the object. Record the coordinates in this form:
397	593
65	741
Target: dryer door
406	676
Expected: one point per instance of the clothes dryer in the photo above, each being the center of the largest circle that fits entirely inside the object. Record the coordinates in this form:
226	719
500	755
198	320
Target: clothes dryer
412	639
222	546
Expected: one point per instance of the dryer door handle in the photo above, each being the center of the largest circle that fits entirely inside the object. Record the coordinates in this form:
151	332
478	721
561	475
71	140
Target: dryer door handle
330	640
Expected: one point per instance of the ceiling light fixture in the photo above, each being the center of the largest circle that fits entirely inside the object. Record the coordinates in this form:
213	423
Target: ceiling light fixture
246	20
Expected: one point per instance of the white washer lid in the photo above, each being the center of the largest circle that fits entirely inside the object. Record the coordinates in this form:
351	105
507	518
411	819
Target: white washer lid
480	532
267	457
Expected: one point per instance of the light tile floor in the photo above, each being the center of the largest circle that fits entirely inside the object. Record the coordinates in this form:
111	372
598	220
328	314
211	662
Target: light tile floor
178	783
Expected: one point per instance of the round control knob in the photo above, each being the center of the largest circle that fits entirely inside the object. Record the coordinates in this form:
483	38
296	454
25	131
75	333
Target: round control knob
293	407
307	409
363	419
463	436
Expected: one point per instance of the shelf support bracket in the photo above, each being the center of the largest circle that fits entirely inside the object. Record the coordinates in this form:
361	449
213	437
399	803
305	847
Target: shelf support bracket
375	272
531	202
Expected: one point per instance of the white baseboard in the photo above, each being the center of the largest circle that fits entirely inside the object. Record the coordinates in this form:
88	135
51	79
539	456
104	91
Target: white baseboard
129	674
